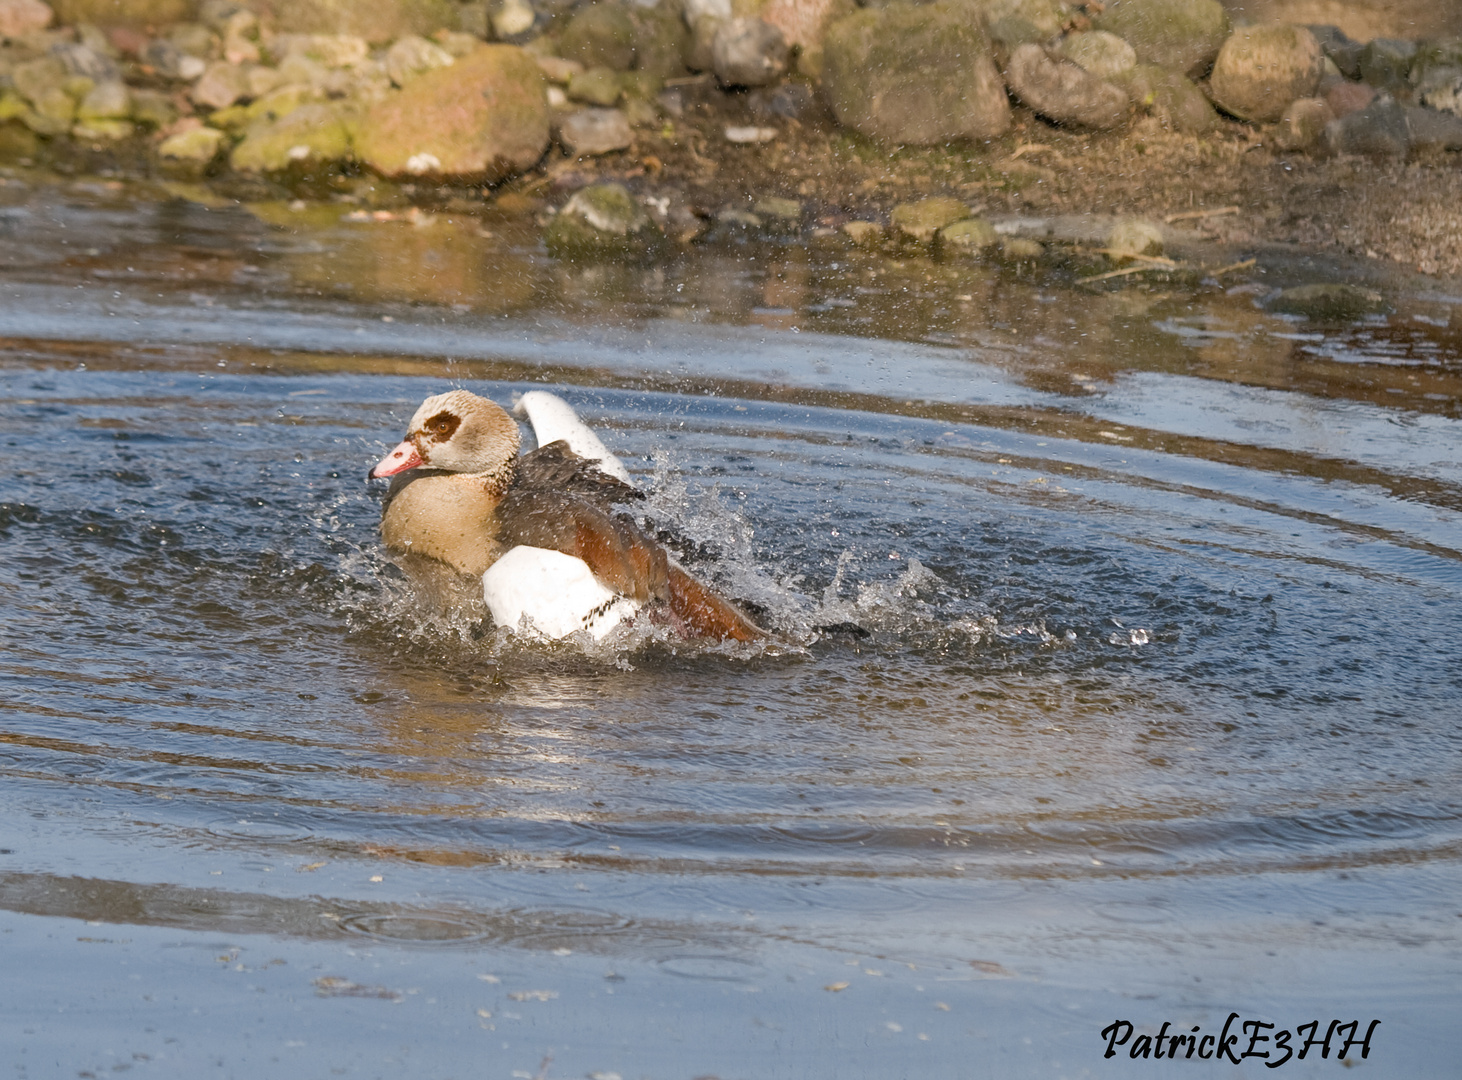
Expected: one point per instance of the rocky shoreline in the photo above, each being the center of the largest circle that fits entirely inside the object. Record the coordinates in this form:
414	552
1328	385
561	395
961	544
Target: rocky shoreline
632	130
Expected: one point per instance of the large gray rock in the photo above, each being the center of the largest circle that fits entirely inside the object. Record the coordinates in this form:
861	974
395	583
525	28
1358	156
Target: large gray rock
1339	49
1063	92
1379	130
1181	34
1385	63
586	132
1435	62
749	52
603	221
1431	129
919	75
1262	68
1171	98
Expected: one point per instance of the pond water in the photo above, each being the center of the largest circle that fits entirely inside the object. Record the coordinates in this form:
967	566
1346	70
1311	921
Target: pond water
1152	715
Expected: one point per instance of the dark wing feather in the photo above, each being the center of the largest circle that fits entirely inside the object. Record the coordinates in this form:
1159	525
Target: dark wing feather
557	468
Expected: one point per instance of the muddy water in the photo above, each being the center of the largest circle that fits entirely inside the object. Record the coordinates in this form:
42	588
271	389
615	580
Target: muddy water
1152	713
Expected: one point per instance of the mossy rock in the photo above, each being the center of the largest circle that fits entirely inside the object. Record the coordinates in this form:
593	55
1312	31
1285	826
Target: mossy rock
482	119
968	235
139	14
1176	102
377	21
188	154
598	86
920	221
1329	302
918	75
599	35
1184	35
603	221
17	142
661	37
308	137
1134	236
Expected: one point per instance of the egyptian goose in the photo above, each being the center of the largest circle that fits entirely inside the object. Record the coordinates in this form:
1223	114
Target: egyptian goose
536	530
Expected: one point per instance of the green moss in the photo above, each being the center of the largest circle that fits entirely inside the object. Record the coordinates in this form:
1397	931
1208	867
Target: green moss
307	137
1184	35
603	221
600	35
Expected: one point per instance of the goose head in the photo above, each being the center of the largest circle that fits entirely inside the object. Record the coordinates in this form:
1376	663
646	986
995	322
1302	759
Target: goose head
458	432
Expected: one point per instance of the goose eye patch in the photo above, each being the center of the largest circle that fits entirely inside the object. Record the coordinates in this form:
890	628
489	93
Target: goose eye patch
442	426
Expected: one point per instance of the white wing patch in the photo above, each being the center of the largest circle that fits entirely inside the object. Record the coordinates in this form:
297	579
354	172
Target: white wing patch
552	595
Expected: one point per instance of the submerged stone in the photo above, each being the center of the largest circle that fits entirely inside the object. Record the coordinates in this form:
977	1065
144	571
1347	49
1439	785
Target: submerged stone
920	221
153	108
970	234
595	131
1134	236
603	221
864	233
1328	302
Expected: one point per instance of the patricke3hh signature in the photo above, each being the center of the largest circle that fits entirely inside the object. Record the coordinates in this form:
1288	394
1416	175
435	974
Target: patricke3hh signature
1259	1039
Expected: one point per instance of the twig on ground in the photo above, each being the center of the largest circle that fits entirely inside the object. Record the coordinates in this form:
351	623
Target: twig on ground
1119	273
1231	267
1192	215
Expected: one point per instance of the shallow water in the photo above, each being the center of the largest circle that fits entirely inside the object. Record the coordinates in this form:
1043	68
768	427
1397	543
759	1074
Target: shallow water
1154	716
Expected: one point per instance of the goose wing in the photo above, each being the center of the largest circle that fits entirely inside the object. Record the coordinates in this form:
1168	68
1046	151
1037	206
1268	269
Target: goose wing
556	468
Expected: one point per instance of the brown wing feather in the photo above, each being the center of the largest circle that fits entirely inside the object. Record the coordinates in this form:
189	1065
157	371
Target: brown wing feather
555	467
620	556
704	613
